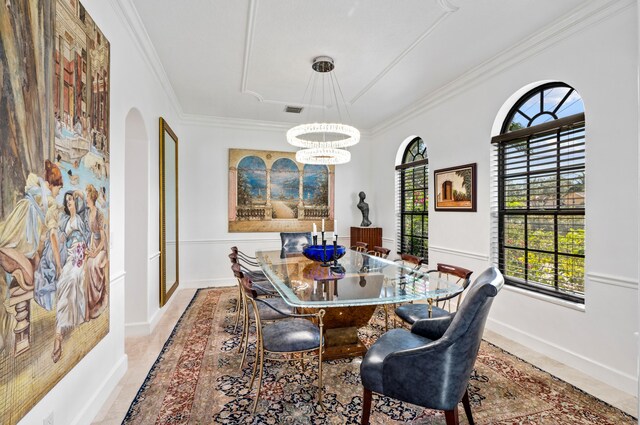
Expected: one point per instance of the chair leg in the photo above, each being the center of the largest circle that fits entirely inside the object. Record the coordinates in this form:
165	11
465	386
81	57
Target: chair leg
366	407
386	319
245	327
320	376
244	342
467	407
452	416
261	356
255	364
238	308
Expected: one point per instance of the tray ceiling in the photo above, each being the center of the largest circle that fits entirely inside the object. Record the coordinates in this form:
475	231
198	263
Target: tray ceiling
248	59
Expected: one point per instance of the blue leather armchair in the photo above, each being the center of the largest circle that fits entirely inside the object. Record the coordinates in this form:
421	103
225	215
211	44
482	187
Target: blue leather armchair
430	365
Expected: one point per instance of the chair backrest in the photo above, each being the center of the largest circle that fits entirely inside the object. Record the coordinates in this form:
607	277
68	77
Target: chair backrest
465	331
294	241
463	275
379	251
247	287
410	259
237	271
360	246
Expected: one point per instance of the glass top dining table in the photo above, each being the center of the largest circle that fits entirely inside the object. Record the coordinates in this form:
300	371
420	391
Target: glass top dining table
365	280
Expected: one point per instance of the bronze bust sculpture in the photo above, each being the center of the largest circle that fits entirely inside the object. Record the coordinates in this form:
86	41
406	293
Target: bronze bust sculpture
364	209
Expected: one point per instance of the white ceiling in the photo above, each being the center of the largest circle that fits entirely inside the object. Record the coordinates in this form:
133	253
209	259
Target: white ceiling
247	59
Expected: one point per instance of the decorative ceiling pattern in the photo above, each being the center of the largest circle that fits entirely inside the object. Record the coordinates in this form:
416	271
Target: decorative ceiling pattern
249	59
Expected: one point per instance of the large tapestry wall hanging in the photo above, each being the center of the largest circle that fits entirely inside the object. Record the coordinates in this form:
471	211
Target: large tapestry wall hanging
54	196
270	192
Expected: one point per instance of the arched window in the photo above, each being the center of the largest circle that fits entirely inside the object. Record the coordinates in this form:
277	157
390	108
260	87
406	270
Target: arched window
413	191
541	193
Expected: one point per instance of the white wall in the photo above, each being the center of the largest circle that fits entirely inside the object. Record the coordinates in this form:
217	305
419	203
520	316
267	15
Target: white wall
204	239
600	62
80	394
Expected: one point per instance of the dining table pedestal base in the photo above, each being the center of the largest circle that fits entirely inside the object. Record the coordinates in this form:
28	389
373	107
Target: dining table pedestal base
342	343
341	326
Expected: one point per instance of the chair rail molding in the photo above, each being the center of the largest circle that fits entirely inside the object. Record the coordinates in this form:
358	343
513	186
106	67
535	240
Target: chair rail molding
117	277
622	282
228	241
453	251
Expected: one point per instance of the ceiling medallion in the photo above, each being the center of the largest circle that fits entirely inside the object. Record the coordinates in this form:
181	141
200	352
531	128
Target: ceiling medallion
324	142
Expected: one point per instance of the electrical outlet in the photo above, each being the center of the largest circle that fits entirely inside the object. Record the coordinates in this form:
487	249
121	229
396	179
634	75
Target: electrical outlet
48	420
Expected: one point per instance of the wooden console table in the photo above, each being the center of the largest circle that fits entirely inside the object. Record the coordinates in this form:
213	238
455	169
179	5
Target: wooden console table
370	235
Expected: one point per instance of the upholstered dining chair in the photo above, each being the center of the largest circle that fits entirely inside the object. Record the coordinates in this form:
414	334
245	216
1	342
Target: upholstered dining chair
454	274
266	313
360	247
379	251
295	334
254	274
243	256
430	365
258	276
293	242
411	260
408	260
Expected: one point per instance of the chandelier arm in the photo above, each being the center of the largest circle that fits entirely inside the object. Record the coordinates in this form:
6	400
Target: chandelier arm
343	99
313	93
324	142
306	90
335	97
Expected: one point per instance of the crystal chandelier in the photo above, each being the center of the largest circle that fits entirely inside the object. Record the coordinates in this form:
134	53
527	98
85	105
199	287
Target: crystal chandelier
324	142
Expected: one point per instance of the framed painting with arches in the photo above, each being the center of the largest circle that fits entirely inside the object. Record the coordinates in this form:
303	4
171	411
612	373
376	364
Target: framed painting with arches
270	192
455	188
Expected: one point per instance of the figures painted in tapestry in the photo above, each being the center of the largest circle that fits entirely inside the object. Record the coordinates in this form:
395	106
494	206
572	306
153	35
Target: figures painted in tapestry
270	192
54	191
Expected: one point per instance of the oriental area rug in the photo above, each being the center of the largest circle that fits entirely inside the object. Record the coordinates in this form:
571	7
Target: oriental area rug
197	380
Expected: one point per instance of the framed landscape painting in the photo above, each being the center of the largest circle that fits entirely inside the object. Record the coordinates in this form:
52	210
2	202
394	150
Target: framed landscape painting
455	188
270	192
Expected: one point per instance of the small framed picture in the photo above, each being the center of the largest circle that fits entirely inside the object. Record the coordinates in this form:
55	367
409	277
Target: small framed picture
455	188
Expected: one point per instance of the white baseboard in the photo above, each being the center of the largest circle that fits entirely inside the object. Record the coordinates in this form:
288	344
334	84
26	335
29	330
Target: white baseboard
615	378
145	328
102	393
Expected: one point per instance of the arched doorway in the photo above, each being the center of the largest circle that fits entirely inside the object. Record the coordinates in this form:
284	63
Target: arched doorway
136	219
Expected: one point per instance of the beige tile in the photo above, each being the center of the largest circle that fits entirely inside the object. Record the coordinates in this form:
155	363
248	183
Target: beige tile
142	352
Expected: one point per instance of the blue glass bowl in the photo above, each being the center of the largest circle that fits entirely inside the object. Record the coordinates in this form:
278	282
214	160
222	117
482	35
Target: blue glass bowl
316	253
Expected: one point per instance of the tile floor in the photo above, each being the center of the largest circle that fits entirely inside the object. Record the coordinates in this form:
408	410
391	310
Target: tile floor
143	351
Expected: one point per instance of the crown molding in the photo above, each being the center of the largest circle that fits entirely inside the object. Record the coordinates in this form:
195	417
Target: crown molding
239	123
128	14
243	123
580	18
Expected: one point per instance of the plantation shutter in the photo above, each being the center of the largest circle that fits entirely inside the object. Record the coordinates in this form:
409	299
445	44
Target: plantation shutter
538	206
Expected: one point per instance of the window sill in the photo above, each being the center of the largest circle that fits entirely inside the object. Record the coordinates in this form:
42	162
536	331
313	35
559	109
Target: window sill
547	298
